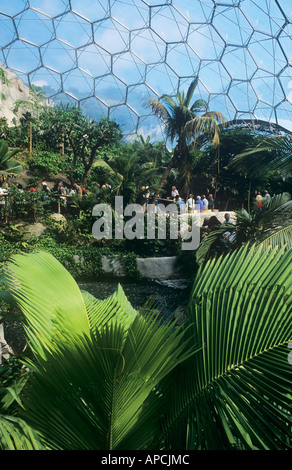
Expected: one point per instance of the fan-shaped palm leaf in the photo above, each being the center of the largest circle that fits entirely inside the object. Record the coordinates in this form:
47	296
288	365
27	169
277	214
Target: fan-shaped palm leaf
236	393
96	362
274	153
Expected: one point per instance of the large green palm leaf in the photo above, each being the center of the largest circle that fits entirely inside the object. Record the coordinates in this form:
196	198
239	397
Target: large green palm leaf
236	393
96	363
16	434
281	237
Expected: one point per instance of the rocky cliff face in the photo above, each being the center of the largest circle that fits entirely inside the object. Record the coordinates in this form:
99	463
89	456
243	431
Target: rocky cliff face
14	92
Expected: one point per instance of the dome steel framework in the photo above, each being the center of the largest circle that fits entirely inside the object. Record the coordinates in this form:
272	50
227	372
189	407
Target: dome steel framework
110	56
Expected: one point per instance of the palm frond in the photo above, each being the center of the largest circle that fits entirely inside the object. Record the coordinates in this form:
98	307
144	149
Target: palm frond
49	298
208	124
199	106
274	152
158	108
212	241
237	393
114	308
106	166
89	389
190	91
281	237
16	434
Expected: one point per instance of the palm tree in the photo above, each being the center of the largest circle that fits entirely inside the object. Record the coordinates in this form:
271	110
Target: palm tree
187	123
127	175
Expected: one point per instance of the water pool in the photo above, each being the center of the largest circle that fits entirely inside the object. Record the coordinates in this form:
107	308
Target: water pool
170	295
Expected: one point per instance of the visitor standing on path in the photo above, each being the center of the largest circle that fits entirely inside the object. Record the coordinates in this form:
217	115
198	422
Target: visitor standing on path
210	202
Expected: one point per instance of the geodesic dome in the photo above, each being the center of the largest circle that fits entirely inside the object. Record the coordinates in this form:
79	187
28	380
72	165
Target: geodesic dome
110	56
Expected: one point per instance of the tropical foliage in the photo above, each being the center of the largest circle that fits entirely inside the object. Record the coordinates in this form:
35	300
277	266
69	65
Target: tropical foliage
105	376
272	152
272	221
232	182
97	364
128	175
236	392
7	165
189	124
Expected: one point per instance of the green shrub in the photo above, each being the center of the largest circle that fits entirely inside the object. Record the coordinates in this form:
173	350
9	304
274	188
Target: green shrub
48	162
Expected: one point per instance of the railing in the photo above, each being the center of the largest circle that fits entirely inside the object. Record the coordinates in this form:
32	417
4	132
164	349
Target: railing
6	201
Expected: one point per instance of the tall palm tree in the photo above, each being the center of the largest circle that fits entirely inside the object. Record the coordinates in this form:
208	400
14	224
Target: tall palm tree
187	123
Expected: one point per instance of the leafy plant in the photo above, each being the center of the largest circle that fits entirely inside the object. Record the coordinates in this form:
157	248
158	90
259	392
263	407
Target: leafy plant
236	392
96	364
7	165
272	152
47	162
105	376
275	216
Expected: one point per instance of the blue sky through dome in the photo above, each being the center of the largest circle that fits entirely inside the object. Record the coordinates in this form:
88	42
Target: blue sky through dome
111	55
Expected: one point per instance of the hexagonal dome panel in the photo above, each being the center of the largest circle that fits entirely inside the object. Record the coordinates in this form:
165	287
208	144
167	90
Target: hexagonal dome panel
110	56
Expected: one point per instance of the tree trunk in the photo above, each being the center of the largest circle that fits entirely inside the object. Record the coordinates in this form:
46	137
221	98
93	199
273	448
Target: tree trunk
226	205
248	197
218	174
167	171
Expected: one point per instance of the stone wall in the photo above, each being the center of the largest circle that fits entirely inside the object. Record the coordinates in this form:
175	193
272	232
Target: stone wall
155	267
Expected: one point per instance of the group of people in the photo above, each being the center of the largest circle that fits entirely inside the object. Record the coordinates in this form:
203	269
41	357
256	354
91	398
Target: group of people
258	197
60	189
192	204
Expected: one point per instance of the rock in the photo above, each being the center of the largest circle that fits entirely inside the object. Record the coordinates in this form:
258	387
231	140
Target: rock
14	92
5	350
113	266
32	230
159	268
58	218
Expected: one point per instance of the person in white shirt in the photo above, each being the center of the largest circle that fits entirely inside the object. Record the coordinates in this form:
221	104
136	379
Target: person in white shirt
174	192
191	203
267	194
205	203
